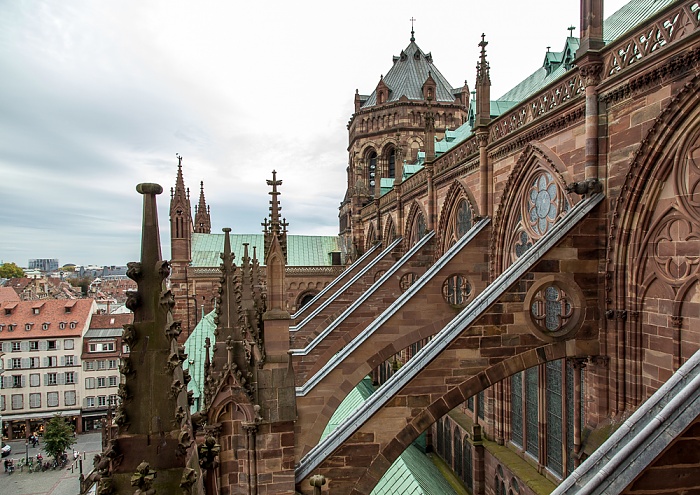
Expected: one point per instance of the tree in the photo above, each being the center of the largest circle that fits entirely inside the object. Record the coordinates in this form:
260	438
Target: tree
10	270
58	436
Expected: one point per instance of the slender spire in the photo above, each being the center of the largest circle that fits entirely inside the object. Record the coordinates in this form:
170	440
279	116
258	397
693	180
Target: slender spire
483	87
179	197
275	227
413	34
482	69
202	218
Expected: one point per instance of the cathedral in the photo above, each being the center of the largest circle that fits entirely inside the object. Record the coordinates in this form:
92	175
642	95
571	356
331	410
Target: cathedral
514	292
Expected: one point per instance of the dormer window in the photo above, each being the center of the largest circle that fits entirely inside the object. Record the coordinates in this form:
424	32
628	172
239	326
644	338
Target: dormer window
62	325
35	311
11	327
28	326
8	311
44	326
73	324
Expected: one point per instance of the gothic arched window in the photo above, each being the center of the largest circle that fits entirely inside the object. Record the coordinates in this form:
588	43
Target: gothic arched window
417	229
391	172
371	170
459	224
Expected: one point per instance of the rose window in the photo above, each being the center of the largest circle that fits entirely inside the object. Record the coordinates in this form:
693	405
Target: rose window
542	203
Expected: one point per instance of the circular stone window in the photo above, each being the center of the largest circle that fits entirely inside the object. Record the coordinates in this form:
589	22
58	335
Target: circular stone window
554	307
407	280
456	290
379	275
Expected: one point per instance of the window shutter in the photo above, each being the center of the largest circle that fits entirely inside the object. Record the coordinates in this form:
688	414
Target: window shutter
46	378
58	345
24	345
24	380
43	345
61	378
85	402
6	347
25	362
63	360
46	362
9	364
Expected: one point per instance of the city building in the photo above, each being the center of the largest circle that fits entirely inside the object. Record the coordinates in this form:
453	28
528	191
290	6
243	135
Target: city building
41	345
102	352
43	264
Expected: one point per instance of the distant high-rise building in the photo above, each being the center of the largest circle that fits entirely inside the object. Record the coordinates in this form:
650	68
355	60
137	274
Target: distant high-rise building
43	264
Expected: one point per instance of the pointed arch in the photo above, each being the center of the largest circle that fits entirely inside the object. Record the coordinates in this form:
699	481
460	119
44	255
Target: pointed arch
655	232
415	227
390	232
457	214
534	199
370	236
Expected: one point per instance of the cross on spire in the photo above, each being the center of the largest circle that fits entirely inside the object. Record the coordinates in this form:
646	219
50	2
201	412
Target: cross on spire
413	38
571	31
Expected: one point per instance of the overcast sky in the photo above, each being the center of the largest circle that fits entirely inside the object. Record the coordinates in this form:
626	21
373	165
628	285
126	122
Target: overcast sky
98	96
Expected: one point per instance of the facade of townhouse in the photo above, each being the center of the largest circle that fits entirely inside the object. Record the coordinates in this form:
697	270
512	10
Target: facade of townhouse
41	342
102	352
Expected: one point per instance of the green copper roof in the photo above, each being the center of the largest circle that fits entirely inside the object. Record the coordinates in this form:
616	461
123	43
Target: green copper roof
407	76
625	19
302	250
412	473
196	353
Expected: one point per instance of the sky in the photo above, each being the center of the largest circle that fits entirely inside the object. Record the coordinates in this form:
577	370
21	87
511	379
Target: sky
98	96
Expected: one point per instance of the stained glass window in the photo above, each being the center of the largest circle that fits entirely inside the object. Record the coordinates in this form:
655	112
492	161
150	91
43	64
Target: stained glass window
551	308
456	290
392	164
407	280
516	407
570	417
468	477
418	229
464	219
440	436
448	444
482	405
554	416
543	203
532	411
390	232
457	444
522	244
459	223
470	403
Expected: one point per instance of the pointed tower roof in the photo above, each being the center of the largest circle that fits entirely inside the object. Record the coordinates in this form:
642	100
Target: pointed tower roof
202	217
180	195
408	74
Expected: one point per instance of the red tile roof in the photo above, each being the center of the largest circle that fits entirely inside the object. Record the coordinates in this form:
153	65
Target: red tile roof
8	294
52	313
111	321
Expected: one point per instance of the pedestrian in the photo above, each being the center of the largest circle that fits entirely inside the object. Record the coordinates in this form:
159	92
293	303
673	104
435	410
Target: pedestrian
6	464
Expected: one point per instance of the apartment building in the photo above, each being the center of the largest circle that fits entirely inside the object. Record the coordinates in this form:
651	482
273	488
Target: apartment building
102	351
41	344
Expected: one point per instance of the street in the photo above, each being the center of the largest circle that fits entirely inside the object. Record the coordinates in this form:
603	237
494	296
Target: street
58	482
